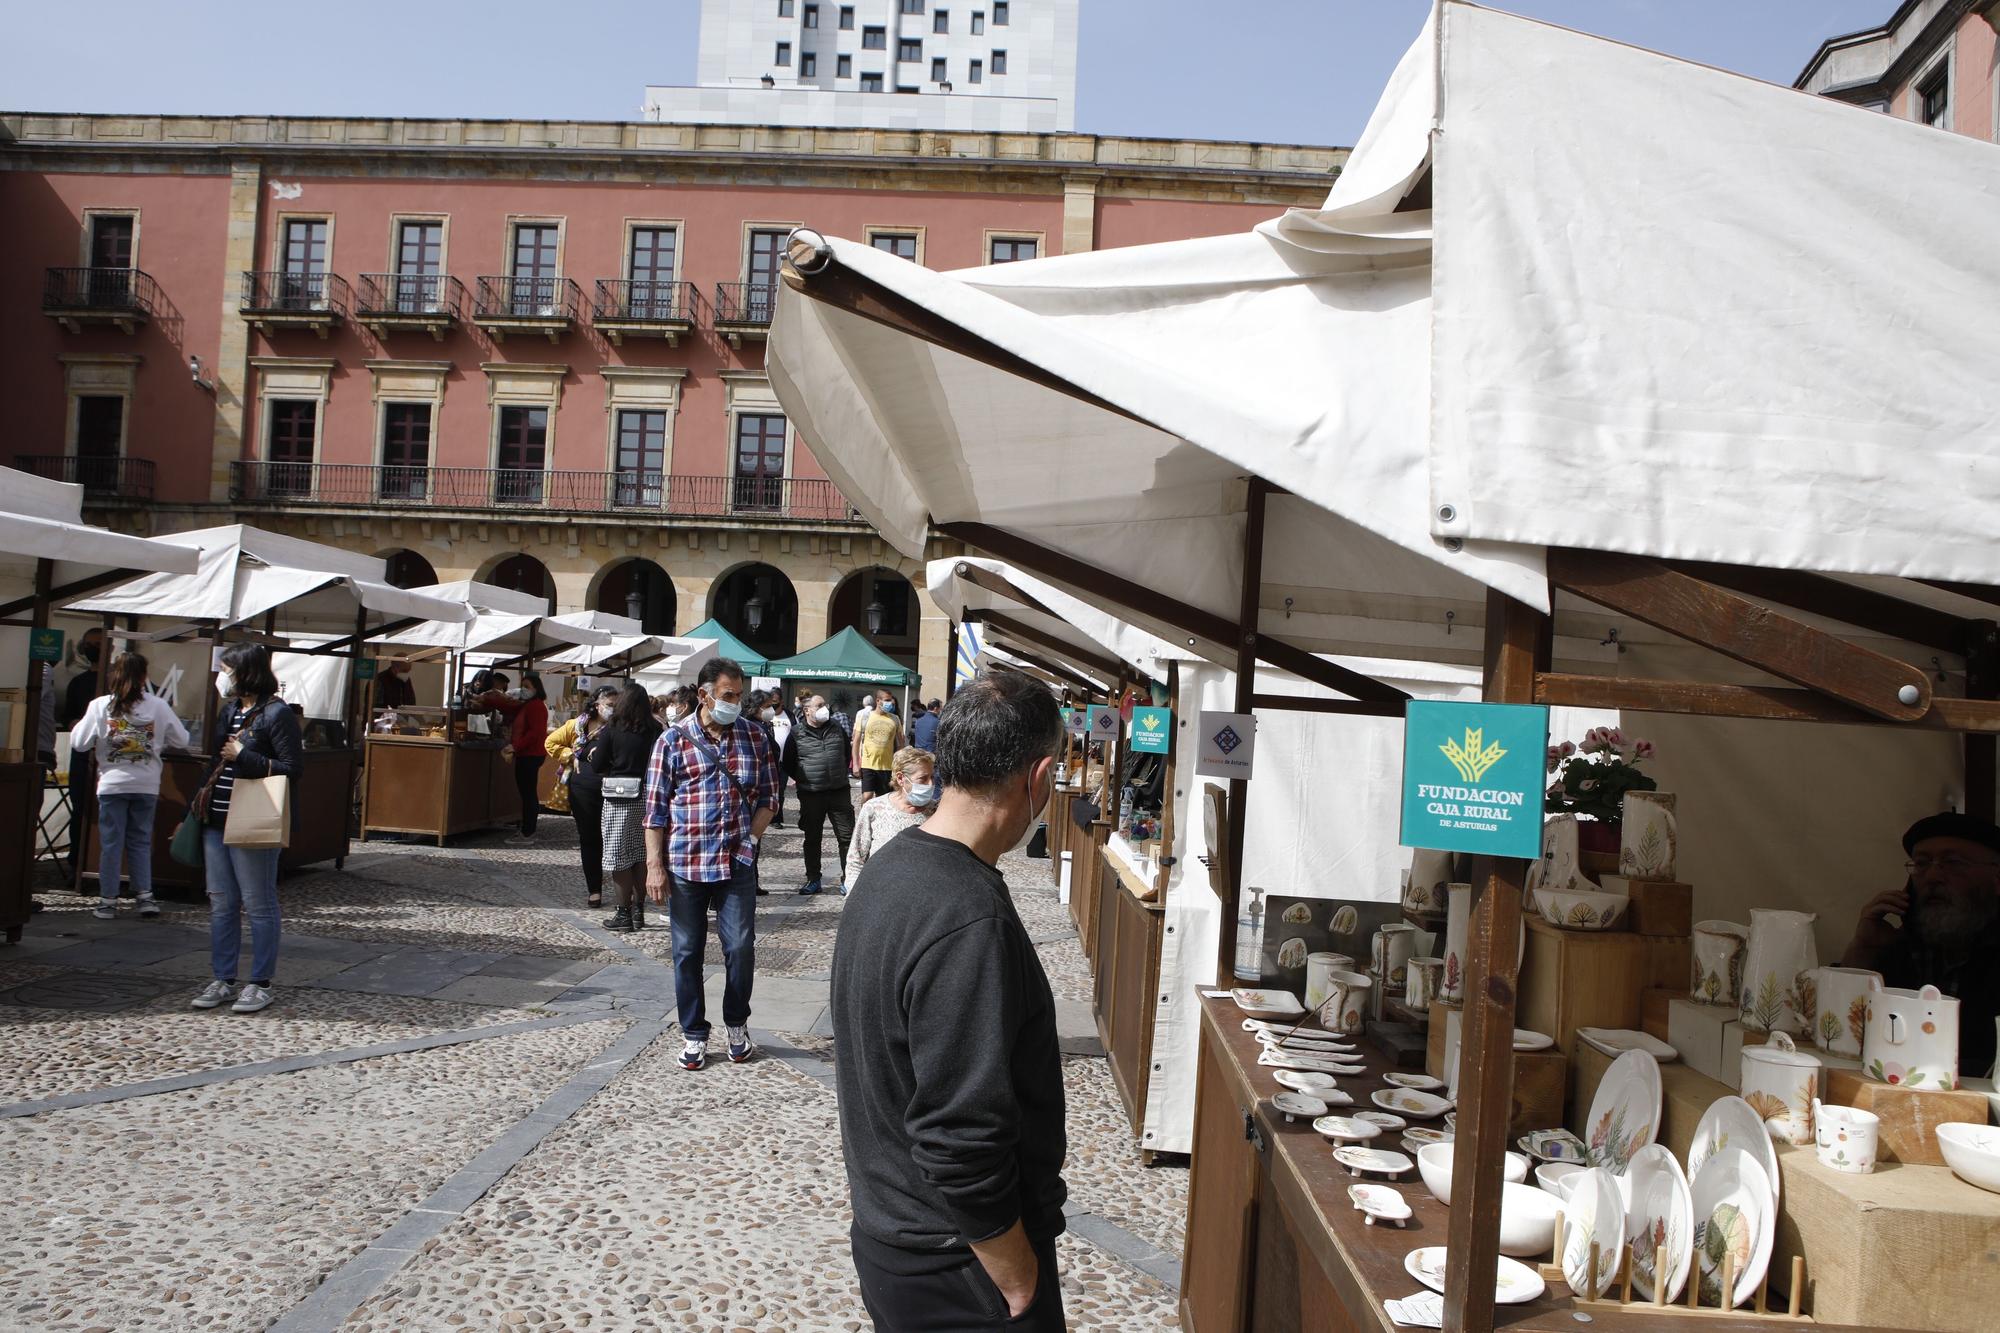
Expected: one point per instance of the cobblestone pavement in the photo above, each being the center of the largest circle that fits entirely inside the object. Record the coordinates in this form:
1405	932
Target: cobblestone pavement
464	1112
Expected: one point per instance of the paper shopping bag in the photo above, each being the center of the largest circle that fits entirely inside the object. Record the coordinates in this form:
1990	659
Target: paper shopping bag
260	812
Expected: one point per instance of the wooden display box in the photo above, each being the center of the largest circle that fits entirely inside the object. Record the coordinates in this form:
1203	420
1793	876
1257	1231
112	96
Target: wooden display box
1658	906
1577	978
1910	1117
1540	1077
1656	1011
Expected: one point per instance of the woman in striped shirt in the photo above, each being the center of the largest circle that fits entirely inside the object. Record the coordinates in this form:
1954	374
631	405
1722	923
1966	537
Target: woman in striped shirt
256	736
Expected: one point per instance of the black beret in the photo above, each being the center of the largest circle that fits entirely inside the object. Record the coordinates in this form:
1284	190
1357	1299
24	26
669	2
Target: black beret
1951	824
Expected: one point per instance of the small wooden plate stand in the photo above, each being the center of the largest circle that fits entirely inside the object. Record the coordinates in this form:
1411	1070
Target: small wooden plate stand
1627	1298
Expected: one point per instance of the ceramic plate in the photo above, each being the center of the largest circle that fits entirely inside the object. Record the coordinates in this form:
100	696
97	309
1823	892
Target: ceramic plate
1416	1105
1373	1159
1417	1082
1297	1104
1424	1135
1346	1129
1594	1214
1309	1082
1514	1283
1661	1214
1730	1123
1625	1112
1273	1036
1617	1041
1381	1119
1294	1025
1325	1064
1734	1216
1380	1201
1267	1003
1524	1040
1554	1145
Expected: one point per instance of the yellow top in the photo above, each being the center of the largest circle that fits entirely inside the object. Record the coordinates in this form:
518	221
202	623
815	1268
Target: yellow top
878	740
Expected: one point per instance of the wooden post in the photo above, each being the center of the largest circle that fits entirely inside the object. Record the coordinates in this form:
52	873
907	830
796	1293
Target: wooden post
359	705
1170	793
31	730
1982	753
1247	607
1518	639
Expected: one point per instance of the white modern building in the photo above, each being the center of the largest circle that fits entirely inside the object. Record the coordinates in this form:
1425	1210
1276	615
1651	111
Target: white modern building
1000	65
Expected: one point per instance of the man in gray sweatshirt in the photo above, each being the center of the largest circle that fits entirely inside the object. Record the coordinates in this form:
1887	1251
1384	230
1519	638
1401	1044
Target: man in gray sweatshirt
950	1076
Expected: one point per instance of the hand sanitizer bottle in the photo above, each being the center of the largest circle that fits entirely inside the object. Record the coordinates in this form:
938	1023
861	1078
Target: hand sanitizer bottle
1250	939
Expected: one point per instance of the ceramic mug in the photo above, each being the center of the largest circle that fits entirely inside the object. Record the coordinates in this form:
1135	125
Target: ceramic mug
1836	999
1911	1038
1390	951
1718	961
1346	996
1780	1082
1420	982
1845	1137
1458	916
1320	967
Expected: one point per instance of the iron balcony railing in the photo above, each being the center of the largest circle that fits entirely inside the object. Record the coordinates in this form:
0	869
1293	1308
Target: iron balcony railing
510	489
526	298
744	302
410	296
287	293
88	290
642	302
101	478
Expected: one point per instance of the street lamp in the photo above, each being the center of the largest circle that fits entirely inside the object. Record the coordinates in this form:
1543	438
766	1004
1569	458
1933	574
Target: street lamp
753	613
635	600
875	613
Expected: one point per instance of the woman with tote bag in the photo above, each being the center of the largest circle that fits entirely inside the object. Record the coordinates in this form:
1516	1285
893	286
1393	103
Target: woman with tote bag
256	740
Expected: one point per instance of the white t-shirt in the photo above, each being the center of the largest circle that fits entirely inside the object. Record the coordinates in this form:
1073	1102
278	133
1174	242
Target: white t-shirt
128	747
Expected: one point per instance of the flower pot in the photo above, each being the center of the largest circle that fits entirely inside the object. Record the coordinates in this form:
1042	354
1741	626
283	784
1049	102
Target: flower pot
1598	835
1781	949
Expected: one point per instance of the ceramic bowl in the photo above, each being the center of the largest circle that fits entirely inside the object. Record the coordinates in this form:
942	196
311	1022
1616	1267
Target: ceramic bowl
1434	1165
1558	1177
1310	1082
1346	1129
1580	909
1527	1220
1972	1152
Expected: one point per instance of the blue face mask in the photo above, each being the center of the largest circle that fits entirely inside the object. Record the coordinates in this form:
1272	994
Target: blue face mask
923	793
724	714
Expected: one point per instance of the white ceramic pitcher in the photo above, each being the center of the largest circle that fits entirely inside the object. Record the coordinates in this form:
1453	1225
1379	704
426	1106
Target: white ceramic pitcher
1781	949
1391	950
1648	836
1912	1038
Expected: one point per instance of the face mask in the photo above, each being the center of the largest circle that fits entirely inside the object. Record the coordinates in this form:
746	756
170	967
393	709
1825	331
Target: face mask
769	715
519	692
1028	833
922	793
226	682
606	710
673	715
723	713
888	707
821	716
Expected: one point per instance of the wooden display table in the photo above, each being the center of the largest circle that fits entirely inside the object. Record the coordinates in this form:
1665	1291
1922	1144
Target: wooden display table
1274	1244
1125	965
435	788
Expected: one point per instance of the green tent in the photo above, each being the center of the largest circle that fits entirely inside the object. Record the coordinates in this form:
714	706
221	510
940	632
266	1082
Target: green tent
728	645
845	657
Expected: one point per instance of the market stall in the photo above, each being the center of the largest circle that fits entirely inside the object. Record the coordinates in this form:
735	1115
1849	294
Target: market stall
729	646
846	658
1346	435
47	552
318	602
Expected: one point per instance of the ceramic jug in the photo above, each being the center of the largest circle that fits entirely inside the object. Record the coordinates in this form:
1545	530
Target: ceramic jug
1390	952
1320	968
1718	962
1430	871
1347	994
1836	999
1421	983
1846	1137
1649	836
1558	868
1912	1038
1780	1082
1781	949
1458	914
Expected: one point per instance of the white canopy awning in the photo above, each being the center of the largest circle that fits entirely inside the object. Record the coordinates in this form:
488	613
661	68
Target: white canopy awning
505	624
651	657
978	584
43	520
1759	350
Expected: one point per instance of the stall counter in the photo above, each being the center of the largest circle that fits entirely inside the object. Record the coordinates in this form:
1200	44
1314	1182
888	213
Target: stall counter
434	787
1125	970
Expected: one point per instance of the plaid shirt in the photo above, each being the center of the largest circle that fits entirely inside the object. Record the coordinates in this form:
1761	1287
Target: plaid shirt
690	795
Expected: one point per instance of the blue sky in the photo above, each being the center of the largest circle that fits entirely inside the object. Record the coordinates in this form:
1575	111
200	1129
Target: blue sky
1289	70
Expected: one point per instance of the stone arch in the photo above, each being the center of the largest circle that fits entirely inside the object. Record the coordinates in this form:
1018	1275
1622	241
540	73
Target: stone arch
614	587
776	609
520	572
901	615
408	569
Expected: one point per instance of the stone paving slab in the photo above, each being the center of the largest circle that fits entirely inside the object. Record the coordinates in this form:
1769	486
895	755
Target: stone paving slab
507	992
409	972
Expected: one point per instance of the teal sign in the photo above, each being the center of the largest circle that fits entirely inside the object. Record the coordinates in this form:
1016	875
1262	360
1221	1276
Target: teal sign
364	668
1473	777
45	645
1152	730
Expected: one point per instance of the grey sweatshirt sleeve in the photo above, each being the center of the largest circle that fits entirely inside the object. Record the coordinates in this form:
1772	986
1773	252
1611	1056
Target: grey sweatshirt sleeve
964	1004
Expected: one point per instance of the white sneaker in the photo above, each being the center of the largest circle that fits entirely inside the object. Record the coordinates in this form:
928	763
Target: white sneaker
106	909
253	998
739	1044
149	906
218	994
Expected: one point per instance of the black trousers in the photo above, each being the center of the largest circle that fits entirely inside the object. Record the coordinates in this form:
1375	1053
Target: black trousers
586	807
527	780
958	1298
815	808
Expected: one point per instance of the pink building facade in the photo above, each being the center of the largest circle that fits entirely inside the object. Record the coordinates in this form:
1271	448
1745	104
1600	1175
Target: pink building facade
1932	61
529	353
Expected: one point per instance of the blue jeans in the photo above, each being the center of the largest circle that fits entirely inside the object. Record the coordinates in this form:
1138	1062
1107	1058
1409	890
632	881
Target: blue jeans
125	842
735	904
245	880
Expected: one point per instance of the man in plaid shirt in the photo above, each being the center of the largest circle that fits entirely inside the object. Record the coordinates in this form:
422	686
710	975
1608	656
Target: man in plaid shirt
711	790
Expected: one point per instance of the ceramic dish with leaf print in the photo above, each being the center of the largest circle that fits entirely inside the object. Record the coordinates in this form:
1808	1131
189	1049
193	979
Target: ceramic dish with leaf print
1525	1040
1267	1004
1414	1082
1594	1215
1424	1134
1309	1082
1514	1283
1381	1161
1300	1042
1415	1105
1554	1145
1659	1217
1734	1222
1380	1203
1298	1105
1346	1129
1294	1026
1625	1113
1382	1119
1617	1041
1731	1122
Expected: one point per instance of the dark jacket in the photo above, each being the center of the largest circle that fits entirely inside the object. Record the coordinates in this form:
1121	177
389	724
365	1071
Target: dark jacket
949	1082
617	753
816	757
272	741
